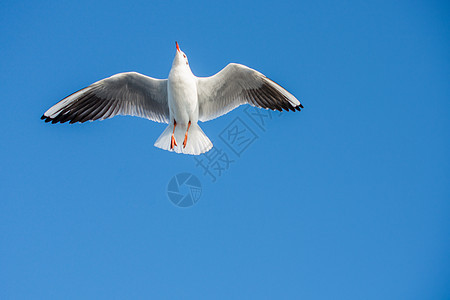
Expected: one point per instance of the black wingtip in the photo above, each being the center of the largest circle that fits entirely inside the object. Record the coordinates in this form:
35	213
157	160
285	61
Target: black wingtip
301	105
46	119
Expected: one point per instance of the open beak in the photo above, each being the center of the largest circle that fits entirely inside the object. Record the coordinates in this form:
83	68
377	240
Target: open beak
178	47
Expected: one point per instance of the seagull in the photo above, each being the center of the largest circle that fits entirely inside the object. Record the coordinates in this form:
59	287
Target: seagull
179	101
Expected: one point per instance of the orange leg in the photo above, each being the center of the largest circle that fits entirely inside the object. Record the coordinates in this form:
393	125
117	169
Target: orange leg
185	136
172	141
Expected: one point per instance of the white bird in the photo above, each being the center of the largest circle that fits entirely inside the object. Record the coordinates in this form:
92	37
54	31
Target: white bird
181	101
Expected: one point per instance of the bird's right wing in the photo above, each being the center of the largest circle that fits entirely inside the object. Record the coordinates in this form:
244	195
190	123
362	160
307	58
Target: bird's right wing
129	93
237	84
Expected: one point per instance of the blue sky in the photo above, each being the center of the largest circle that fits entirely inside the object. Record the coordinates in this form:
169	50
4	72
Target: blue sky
348	199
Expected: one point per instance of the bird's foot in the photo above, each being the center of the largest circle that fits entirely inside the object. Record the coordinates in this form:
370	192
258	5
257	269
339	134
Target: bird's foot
173	142
185	140
186	134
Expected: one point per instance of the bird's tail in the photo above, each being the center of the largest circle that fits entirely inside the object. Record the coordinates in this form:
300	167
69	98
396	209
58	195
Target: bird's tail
197	141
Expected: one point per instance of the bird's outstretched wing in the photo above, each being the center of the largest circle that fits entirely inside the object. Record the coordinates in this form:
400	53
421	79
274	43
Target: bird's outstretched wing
129	93
237	84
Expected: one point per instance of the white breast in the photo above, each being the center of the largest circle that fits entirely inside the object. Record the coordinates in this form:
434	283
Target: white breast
182	96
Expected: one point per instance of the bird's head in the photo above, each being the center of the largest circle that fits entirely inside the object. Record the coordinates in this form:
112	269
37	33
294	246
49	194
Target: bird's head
180	57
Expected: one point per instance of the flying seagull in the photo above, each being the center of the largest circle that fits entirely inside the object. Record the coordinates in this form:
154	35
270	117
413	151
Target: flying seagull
180	101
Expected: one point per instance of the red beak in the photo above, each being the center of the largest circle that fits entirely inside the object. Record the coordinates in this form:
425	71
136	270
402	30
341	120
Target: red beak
178	47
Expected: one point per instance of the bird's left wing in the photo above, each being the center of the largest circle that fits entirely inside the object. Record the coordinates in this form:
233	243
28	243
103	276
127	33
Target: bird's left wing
128	93
237	84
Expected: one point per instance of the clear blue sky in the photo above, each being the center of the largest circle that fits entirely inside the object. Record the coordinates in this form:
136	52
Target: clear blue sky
348	199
